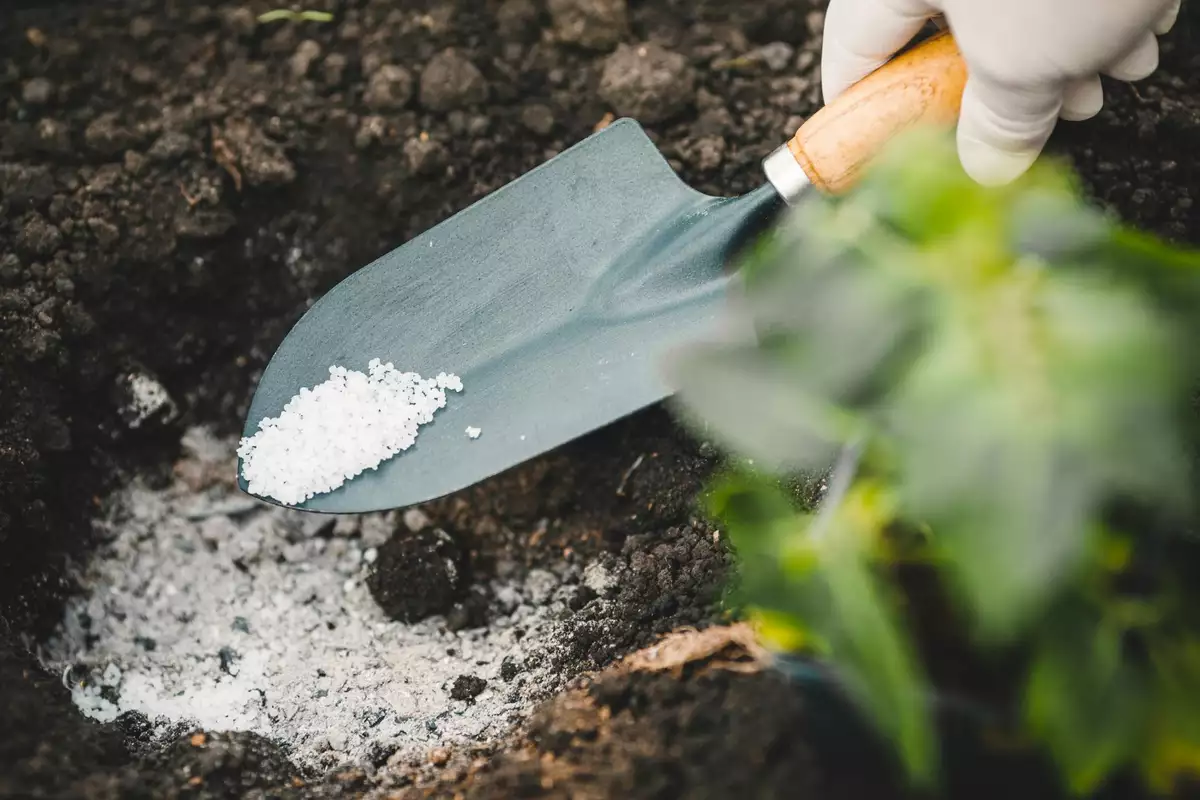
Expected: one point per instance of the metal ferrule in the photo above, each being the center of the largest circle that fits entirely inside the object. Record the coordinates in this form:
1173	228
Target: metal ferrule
786	175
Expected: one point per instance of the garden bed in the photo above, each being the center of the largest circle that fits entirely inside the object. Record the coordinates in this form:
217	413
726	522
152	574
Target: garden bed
178	181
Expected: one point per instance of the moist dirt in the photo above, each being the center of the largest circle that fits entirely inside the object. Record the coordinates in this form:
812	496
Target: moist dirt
178	182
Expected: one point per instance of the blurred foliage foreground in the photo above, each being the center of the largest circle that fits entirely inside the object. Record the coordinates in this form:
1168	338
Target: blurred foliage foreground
1004	379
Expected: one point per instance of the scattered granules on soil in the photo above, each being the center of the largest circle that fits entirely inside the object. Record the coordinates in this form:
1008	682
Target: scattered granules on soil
350	423
207	607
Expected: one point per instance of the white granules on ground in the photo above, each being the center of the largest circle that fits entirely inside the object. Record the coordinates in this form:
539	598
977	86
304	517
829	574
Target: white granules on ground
327	435
205	607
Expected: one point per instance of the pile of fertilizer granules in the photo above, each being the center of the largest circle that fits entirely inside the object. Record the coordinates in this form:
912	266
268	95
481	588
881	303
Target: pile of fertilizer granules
336	430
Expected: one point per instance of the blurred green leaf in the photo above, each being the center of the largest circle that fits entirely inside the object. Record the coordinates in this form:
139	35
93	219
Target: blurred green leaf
747	501
747	401
767	533
874	656
1018	423
1175	722
1085	701
817	573
296	16
1016	371
843	328
1050	223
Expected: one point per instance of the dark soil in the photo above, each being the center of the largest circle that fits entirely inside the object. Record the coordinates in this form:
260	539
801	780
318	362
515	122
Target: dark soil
706	732
417	575
654	736
467	687
178	181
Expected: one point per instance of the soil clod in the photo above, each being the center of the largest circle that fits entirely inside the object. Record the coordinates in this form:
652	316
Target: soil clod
250	153
417	575
647	82
593	24
467	687
451	81
389	88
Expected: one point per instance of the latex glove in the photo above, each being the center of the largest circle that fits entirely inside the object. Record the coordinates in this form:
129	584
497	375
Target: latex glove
1029	62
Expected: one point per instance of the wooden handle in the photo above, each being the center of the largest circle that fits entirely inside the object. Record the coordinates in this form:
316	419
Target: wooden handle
922	86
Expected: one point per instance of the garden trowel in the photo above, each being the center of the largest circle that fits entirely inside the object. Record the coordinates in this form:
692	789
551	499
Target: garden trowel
557	297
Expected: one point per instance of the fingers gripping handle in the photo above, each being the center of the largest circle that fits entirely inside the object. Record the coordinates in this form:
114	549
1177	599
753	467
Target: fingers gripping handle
922	86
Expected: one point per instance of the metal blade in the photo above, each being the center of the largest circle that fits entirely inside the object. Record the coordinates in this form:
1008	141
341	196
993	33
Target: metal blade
555	300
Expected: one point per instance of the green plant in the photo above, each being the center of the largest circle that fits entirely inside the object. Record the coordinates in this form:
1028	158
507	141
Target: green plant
295	16
1004	378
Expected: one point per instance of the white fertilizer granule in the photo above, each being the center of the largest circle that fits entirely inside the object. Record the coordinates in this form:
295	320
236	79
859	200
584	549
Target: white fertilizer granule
204	607
474	432
340	428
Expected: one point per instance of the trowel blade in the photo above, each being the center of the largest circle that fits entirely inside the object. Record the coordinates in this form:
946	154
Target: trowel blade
555	299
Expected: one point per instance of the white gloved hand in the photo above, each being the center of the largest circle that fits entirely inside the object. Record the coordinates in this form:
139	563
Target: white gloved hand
1029	62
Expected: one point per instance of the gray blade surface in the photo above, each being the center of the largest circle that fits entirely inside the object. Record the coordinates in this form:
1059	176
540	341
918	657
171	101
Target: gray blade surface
555	299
